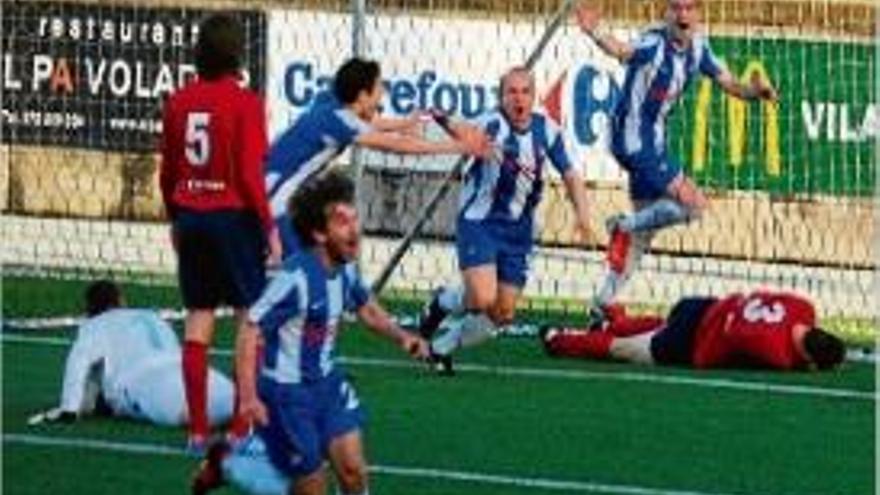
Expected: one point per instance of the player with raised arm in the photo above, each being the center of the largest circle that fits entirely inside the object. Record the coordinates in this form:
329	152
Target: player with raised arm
764	329
659	66
211	177
126	362
309	413
347	115
496	220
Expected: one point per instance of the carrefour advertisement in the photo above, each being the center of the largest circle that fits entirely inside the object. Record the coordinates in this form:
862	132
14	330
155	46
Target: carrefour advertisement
93	76
449	64
817	140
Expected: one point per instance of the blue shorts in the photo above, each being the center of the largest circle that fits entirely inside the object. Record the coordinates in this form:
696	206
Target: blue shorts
649	174
674	345
220	258
304	419
507	246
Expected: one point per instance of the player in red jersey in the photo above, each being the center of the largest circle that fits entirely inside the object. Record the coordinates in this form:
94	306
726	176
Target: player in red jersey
213	146
775	330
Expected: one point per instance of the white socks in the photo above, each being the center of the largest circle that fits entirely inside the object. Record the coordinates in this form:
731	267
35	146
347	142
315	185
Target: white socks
472	329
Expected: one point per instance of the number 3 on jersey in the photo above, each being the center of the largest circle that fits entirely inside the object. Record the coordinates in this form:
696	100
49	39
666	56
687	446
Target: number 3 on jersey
755	310
198	139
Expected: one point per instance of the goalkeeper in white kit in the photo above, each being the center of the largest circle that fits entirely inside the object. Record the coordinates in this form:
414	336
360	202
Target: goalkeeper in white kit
126	362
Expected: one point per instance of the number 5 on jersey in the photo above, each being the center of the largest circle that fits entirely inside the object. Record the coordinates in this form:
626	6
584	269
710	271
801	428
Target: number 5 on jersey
198	139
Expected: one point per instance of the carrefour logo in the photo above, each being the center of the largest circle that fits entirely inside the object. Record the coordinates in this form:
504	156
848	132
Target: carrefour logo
403	94
584	103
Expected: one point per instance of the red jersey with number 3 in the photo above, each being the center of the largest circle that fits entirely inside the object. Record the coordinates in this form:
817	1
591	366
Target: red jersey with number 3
213	147
754	329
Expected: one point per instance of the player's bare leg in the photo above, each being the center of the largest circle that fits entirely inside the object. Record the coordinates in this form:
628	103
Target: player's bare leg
630	236
347	458
312	484
198	334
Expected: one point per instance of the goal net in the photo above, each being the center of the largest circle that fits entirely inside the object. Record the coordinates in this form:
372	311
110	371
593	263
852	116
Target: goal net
793	186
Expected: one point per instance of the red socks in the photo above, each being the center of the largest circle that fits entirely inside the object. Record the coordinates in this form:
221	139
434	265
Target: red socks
618	250
628	326
195	383
581	343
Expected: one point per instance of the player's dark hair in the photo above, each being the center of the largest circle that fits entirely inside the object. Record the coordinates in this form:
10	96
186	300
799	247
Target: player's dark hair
310	205
101	296
826	350
354	76
220	46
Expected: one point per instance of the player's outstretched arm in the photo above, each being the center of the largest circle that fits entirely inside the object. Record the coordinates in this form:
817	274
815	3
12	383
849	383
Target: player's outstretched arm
246	345
475	145
757	89
589	19
380	322
577	194
413	124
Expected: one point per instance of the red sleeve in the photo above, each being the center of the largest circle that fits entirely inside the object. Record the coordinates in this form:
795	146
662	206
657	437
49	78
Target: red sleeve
251	157
167	171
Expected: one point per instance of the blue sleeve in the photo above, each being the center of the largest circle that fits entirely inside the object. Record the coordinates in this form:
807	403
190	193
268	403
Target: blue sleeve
357	293
344	127
709	66
279	302
557	151
645	48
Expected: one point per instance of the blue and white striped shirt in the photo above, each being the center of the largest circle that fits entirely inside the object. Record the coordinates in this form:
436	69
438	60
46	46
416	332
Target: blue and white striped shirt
299	314
317	137
509	186
656	76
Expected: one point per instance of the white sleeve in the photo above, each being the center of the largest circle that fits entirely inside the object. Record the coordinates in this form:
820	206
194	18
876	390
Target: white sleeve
83	356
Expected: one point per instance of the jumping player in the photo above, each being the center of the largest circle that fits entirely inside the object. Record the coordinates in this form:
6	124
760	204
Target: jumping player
659	66
211	176
496	221
347	115
763	329
308	410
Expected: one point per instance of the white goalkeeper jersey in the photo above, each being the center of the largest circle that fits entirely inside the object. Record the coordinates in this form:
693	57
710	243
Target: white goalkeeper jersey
111	347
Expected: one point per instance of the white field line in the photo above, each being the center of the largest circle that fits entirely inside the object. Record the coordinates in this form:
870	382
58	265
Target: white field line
556	373
400	471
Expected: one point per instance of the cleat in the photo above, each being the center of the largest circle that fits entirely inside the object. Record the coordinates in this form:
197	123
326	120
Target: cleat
596	319
431	317
196	445
441	364
546	334
209	475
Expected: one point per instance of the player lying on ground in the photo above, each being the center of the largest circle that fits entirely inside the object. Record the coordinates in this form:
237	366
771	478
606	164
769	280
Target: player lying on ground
126	362
496	220
763	329
308	412
348	114
659	66
211	176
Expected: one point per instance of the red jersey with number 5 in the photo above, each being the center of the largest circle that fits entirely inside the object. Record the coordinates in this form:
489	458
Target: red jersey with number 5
754	329
213	147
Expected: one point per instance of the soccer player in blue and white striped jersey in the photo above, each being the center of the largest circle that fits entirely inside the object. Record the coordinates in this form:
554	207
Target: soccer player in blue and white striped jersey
496	220
344	116
307	411
659	66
